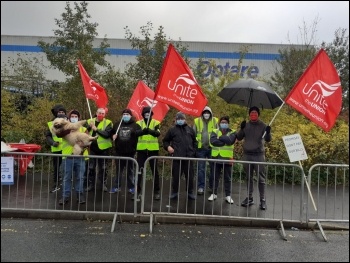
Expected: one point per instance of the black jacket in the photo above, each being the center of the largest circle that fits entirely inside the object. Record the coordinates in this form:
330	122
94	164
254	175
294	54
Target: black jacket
182	139
127	137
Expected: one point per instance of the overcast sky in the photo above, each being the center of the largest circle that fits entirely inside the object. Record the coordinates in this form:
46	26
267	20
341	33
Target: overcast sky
233	21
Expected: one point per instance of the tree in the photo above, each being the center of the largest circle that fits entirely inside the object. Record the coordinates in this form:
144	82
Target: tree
151	57
338	52
74	40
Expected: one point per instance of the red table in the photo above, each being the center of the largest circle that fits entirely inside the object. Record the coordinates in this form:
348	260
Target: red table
23	160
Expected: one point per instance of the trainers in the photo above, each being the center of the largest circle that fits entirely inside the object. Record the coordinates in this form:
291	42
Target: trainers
247	202
156	196
229	199
132	190
263	204
173	195
212	197
200	191
81	199
114	190
55	188
191	196
63	200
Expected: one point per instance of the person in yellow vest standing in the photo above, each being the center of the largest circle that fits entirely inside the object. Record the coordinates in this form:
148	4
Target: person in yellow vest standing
73	166
58	111
148	146
203	126
102	127
222	141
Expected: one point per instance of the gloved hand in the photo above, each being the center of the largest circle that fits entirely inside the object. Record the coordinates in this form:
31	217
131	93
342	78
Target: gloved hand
152	132
55	144
268	129
225	139
145	131
243	123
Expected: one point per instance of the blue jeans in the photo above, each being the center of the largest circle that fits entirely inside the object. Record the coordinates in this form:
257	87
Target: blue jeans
72	166
203	153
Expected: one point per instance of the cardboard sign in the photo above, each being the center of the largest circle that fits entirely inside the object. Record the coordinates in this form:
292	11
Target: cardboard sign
295	147
7	171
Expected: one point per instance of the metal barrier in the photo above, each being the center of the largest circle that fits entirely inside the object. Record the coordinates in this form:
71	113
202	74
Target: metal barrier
332	198
287	198
31	192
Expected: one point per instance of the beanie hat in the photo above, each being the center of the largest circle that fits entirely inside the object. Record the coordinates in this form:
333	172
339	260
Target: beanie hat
57	108
225	118
180	115
127	111
256	109
146	110
74	112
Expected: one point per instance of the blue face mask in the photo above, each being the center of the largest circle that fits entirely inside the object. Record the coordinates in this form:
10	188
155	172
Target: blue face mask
126	118
224	125
180	122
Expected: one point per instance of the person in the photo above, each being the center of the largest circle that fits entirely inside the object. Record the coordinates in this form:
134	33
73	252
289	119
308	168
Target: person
180	141
58	111
125	134
148	146
222	141
73	166
203	126
102	127
253	150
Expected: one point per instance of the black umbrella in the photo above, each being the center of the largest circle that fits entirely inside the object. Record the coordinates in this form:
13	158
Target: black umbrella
250	92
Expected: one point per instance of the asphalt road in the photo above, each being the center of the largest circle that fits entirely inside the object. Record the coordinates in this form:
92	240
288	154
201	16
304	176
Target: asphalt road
34	240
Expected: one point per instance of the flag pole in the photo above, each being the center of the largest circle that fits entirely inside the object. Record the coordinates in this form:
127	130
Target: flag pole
308	187
119	126
275	113
87	100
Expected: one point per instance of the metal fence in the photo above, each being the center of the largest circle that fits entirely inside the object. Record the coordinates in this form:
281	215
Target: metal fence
288	200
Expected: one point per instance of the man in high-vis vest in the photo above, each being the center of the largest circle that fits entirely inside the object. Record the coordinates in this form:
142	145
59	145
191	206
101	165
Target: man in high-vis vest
148	146
58	111
222	141
73	166
102	127
203	126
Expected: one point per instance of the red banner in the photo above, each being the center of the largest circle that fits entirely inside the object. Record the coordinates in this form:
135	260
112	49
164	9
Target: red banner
318	92
142	97
178	87
93	90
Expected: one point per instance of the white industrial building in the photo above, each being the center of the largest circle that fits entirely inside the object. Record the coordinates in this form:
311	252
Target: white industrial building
260	57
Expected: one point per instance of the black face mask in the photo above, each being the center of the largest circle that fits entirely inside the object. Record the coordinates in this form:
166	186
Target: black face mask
61	115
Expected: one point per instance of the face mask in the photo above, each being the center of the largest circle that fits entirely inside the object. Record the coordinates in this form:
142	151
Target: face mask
224	125
60	115
253	116
206	116
126	118
73	120
100	117
180	122
146	115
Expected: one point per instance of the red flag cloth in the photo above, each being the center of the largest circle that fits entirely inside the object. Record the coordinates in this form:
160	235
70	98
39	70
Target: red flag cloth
142	97
93	90
178	87
318	92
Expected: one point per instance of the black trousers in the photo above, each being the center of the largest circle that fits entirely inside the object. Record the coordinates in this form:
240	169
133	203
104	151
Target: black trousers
180	167
141	158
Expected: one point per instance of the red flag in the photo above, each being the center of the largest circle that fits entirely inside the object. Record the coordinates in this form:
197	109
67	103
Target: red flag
178	87
143	96
93	90
318	94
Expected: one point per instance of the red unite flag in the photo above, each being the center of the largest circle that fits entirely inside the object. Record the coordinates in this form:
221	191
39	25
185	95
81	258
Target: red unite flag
318	93
93	90
178	87
143	97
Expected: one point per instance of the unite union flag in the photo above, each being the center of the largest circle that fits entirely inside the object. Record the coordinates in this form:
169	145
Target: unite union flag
178	87
318	92
93	90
